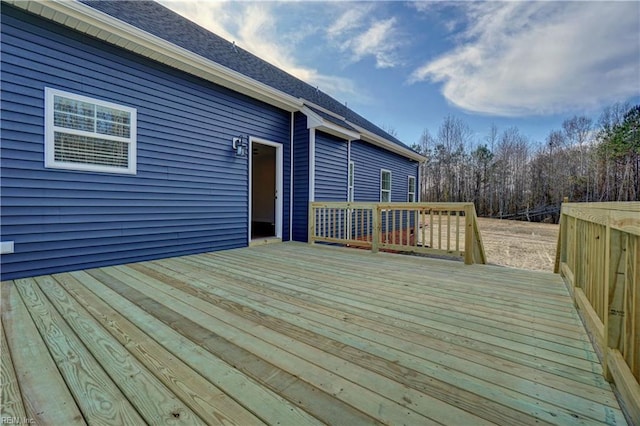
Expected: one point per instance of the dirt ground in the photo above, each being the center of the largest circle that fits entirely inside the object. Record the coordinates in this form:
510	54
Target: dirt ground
524	245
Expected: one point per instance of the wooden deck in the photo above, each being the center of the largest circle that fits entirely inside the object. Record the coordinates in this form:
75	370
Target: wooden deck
293	334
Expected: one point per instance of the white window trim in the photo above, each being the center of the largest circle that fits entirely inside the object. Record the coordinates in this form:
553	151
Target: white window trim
351	181
409	193
382	171
49	142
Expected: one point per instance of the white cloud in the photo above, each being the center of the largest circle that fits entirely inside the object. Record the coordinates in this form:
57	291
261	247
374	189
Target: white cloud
357	32
349	20
378	41
216	16
256	27
521	58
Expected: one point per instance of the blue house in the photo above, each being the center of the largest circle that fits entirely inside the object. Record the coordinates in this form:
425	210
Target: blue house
130	133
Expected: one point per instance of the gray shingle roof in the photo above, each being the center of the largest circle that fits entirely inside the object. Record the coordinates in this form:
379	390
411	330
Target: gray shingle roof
156	19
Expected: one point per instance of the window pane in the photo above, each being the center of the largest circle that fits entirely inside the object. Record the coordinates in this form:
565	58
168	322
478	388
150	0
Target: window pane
412	184
73	121
112	129
73	106
386	197
113	122
87	150
113	115
386	181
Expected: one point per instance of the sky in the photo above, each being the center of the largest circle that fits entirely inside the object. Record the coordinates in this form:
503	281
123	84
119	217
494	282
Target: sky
408	65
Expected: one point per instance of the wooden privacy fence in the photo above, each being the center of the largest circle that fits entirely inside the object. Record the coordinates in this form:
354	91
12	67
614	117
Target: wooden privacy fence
449	229
599	258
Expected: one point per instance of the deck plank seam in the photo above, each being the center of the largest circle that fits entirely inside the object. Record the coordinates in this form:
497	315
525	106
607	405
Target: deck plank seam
191	281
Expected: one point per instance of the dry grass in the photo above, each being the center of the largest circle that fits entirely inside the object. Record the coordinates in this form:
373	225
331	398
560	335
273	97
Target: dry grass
524	245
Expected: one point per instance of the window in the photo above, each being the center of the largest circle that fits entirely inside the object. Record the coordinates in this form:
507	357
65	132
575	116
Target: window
385	186
88	134
351	178
411	189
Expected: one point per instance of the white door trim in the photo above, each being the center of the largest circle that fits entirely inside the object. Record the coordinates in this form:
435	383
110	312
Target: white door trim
279	186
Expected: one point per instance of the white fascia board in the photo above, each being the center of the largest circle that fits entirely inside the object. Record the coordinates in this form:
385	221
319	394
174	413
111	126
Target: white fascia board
323	109
81	17
364	134
374	139
339	131
314	121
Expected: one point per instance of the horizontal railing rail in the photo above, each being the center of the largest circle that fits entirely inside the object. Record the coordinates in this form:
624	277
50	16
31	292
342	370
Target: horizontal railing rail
449	229
598	257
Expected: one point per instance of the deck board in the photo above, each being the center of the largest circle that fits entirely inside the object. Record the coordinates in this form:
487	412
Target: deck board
83	374
11	404
296	334
203	397
266	405
37	374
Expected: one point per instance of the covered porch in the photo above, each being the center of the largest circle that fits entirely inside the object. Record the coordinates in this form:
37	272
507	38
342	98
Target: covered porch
296	334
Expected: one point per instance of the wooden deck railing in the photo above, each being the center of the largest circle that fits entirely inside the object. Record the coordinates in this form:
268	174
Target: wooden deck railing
599	258
449	229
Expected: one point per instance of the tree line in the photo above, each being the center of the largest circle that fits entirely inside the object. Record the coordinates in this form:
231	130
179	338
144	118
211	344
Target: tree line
509	176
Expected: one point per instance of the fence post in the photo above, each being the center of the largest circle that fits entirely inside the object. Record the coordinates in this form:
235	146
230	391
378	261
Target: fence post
561	245
468	235
606	299
416	227
377	213
311	224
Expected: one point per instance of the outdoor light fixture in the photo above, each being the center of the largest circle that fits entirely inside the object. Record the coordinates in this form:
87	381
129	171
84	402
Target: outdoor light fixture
239	146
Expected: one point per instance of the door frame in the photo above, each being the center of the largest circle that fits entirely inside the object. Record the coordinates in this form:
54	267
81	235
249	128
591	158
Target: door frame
279	185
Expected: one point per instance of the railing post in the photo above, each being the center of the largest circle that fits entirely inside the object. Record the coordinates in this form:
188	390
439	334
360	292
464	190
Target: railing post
311	224
573	262
468	235
416	226
376	213
606	344
346	222
560	244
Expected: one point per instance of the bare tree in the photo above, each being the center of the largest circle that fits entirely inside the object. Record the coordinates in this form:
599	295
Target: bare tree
506	176
390	130
425	146
577	132
452	140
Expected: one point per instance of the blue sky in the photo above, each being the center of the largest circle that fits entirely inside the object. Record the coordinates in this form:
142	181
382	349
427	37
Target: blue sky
409	64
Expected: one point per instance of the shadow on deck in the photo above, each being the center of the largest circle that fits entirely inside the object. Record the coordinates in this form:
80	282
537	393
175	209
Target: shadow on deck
294	334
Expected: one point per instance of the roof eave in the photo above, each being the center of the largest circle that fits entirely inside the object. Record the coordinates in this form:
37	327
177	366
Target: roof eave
315	121
367	135
374	139
95	23
83	18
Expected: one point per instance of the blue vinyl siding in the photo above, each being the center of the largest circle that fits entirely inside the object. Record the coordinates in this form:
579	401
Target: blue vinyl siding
331	168
369	159
190	192
300	177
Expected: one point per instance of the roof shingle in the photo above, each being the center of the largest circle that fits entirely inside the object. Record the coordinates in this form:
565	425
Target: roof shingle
156	19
